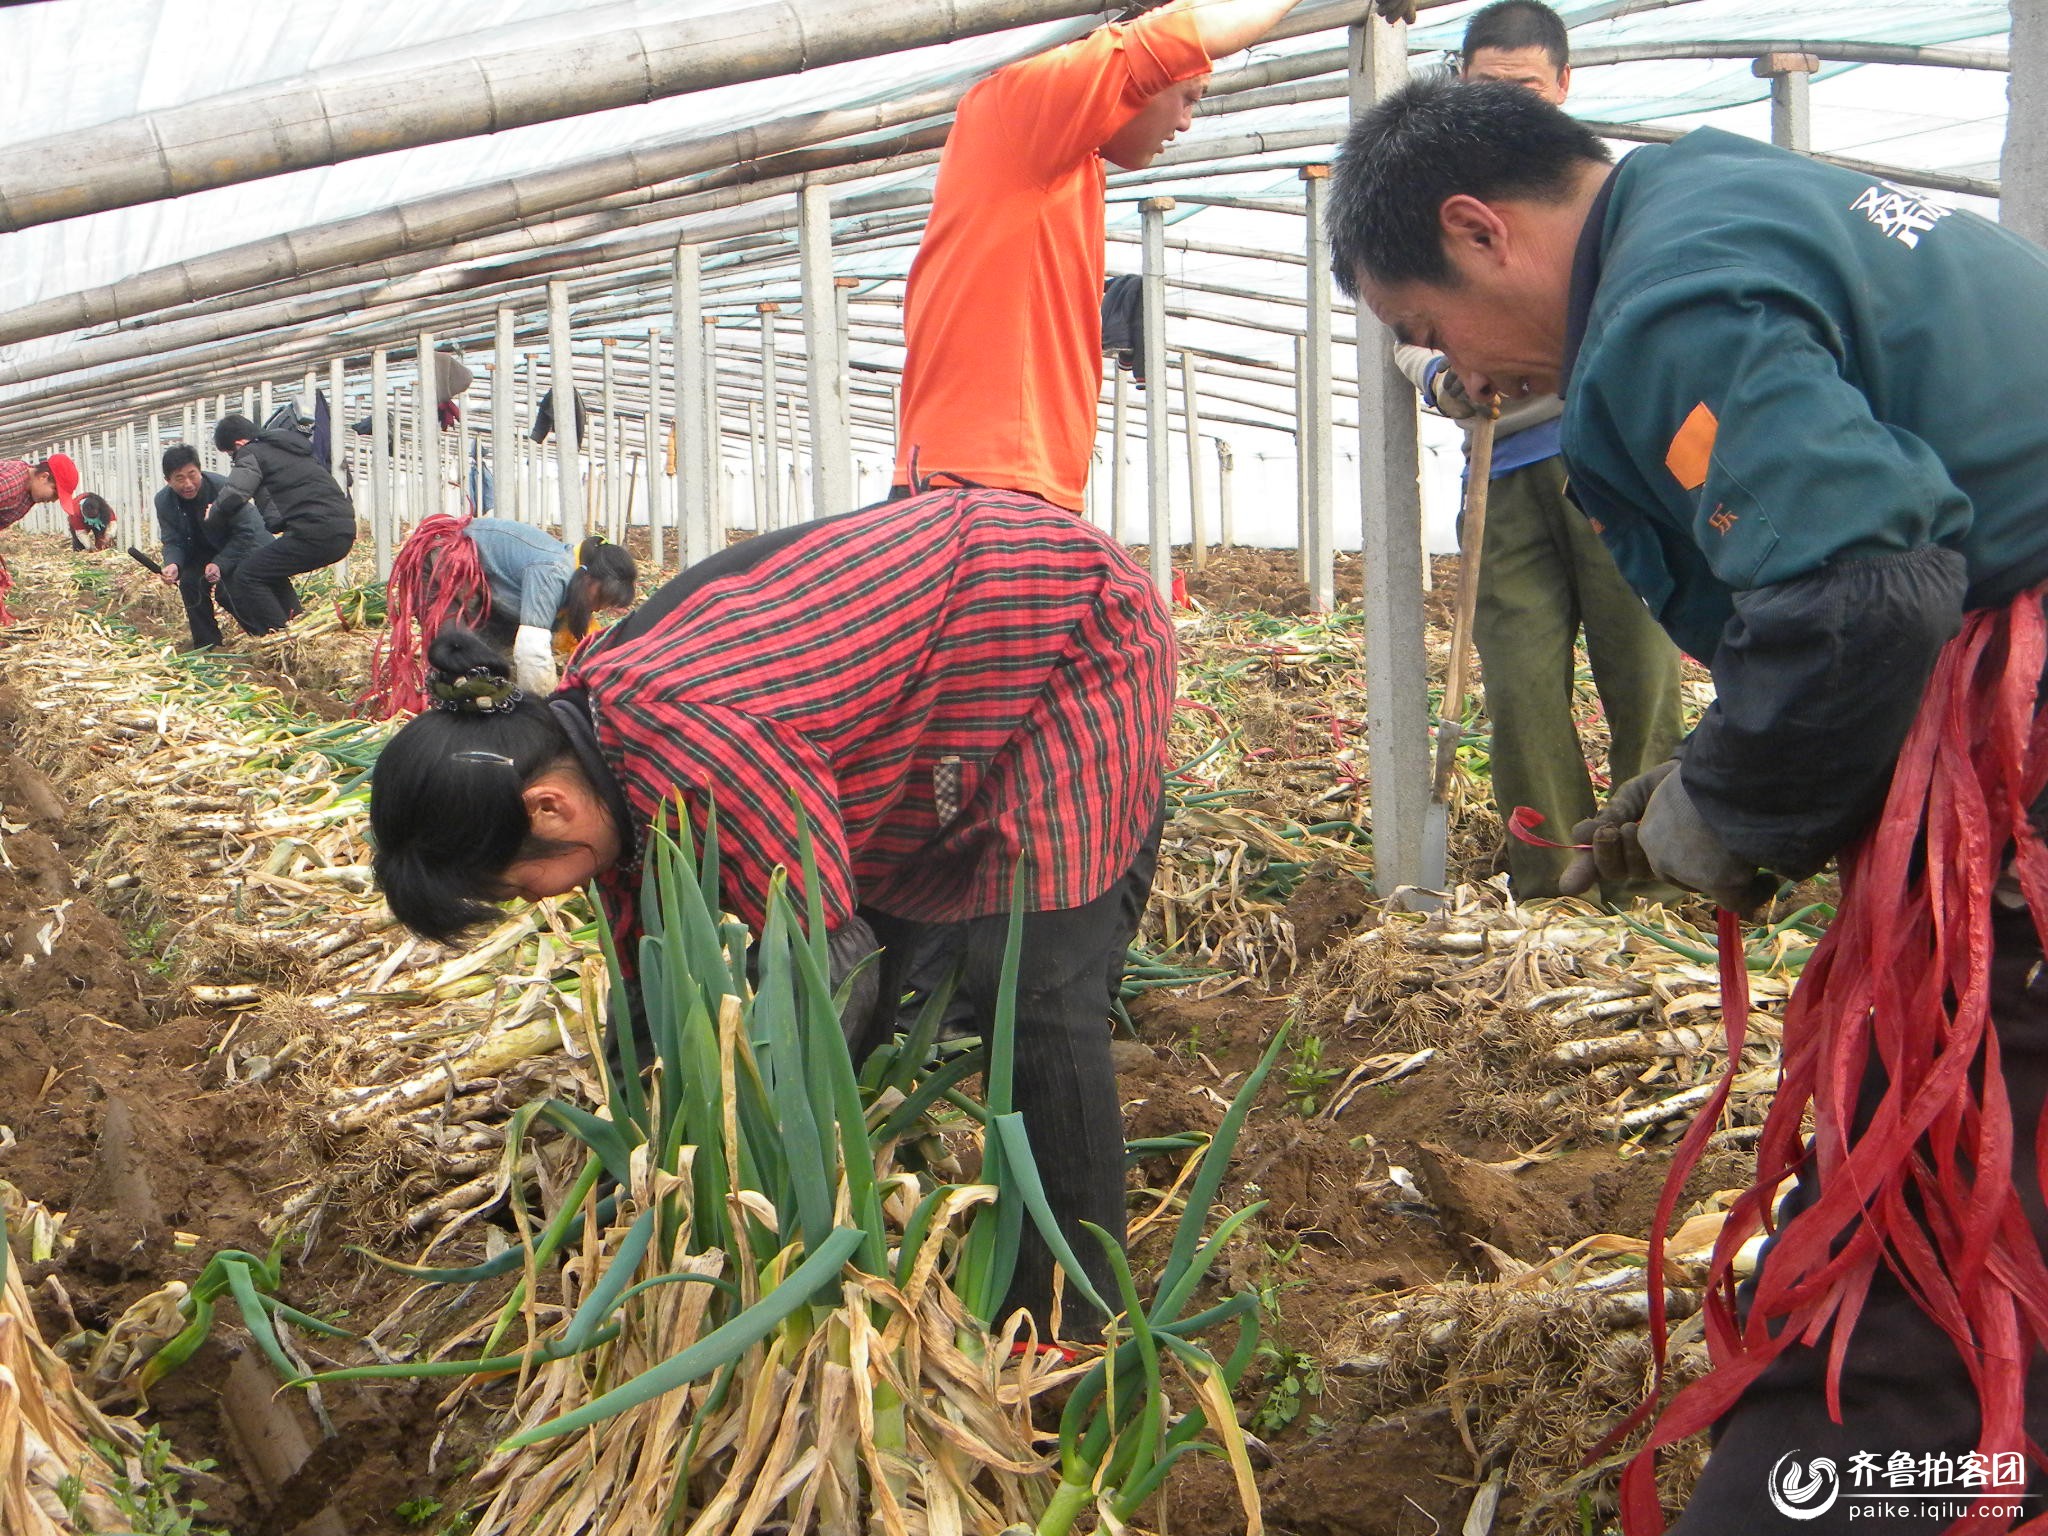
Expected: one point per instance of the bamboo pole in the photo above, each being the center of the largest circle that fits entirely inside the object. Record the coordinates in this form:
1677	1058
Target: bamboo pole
252	134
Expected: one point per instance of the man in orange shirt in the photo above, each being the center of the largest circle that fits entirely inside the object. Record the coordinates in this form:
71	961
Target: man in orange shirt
1002	319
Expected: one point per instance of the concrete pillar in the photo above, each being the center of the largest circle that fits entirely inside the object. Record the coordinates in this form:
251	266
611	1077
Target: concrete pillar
2023	170
1158	397
608	435
1191	420
1303	470
717	504
504	417
427	431
770	510
1119	432
1318	386
659	481
380	462
1226	510
1791	77
825	345
693	468
337	448
755	451
1397	697
562	380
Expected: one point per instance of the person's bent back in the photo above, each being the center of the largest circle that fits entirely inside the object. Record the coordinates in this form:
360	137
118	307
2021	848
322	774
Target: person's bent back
302	503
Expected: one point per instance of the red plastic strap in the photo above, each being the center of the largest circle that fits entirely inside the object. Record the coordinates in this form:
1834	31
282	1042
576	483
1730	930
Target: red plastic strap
1523	822
6	586
1901	981
437	579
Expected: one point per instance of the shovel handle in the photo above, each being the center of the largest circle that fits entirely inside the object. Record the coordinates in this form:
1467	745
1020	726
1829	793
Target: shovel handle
1478	471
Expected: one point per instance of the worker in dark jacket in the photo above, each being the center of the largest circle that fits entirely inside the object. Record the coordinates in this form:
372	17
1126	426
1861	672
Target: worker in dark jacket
936	687
193	562
1790	408
301	503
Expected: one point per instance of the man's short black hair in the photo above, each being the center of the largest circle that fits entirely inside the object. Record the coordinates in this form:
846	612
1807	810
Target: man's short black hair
177	456
230	430
1434	140
1512	24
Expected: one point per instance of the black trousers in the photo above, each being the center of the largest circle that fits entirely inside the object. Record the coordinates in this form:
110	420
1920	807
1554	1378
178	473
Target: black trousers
1904	1387
199	597
1065	1085
260	587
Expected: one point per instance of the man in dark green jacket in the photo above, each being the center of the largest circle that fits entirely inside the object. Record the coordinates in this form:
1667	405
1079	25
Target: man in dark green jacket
1798	409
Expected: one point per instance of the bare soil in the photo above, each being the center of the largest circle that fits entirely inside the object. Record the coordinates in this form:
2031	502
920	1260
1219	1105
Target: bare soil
105	1081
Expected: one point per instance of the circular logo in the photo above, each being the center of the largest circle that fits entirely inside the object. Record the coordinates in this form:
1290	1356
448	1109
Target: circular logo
1804	1492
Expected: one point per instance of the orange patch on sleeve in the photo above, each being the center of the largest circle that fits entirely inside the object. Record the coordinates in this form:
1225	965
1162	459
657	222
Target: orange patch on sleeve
1692	448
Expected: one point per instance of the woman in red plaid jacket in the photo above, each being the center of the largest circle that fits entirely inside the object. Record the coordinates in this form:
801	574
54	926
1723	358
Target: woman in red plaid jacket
939	687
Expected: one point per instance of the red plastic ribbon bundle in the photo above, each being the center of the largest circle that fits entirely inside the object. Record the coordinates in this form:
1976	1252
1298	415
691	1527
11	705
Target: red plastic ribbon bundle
437	578
1903	978
6	586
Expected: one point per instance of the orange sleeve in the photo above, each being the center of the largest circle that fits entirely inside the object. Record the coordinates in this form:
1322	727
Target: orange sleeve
1058	108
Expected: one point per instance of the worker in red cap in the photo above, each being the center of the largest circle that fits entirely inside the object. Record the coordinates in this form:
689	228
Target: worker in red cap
23	484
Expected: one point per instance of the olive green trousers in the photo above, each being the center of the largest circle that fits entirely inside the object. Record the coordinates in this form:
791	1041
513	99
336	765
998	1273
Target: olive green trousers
1543	577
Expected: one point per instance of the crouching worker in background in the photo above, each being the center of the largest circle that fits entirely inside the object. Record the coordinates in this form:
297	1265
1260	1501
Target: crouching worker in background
195	562
939	687
302	504
517	585
92	522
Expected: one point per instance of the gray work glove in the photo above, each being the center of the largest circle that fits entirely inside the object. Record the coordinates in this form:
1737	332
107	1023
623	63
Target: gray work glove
1684	850
1447	391
1613	852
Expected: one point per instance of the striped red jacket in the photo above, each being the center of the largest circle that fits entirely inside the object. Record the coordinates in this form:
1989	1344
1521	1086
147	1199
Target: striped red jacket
943	683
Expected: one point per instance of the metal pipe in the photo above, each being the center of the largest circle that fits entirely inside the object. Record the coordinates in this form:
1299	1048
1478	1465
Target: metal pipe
1119	430
502	412
608	435
717	506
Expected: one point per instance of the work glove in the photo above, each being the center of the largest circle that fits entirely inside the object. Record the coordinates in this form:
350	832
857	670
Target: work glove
533	661
1684	850
1610	848
1447	392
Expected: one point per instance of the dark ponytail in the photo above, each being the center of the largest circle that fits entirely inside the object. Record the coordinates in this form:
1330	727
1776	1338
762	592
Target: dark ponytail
446	811
605	577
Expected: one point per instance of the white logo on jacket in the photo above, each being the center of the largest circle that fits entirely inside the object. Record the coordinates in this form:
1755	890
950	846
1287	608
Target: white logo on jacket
1903	215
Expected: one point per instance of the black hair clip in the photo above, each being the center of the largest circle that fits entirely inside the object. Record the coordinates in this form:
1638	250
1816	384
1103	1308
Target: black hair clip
479	691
